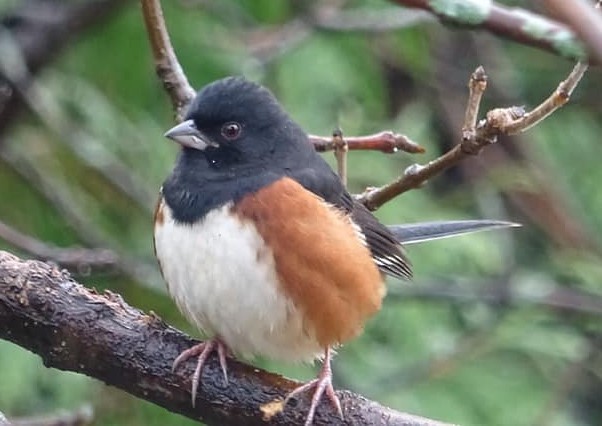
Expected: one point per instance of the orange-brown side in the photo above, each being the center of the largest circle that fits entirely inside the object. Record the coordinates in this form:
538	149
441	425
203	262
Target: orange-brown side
158	216
323	266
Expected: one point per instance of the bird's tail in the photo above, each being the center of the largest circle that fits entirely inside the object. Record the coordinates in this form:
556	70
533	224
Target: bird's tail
413	233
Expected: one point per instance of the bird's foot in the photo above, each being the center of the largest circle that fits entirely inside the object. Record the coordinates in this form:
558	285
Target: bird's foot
203	350
321	384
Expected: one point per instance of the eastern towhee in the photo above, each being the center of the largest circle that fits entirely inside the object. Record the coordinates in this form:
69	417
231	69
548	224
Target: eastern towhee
260	244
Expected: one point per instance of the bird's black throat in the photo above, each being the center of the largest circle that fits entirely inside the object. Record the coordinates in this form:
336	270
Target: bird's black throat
203	181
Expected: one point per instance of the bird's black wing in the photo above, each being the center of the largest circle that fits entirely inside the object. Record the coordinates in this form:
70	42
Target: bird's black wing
385	248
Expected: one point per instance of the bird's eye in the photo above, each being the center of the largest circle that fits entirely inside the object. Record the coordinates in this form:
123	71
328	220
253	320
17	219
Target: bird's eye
231	130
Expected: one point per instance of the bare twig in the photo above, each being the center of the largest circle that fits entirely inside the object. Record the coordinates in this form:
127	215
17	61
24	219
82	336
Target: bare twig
167	66
387	142
476	87
513	23
74	328
500	121
77	258
556	100
341	148
546	206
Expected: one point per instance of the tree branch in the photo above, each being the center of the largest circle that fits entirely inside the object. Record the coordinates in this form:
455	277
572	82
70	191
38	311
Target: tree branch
512	23
167	66
499	121
76	329
387	142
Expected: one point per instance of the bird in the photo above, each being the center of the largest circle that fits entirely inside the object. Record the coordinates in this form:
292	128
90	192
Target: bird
262	247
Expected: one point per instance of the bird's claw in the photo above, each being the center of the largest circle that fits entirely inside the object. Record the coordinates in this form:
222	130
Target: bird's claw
321	384
203	350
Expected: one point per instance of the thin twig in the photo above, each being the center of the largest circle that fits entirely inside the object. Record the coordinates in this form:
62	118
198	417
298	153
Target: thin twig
499	121
556	100
387	142
341	148
476	87
167	66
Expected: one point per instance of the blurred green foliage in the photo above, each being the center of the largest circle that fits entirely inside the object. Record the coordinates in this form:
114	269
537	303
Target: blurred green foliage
465	361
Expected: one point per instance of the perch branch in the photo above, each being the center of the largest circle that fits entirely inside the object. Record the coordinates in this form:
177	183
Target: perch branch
76	329
515	24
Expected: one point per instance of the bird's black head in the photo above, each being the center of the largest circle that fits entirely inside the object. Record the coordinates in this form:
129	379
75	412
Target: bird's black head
235	125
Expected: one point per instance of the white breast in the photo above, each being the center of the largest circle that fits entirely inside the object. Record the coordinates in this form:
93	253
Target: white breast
222	277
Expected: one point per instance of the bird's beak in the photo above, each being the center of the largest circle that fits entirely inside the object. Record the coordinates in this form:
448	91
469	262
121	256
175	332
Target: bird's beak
186	134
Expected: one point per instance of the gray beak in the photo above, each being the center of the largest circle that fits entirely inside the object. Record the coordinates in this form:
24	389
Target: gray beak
186	134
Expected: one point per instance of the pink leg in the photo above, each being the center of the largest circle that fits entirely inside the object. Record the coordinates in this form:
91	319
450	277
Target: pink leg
203	350
321	384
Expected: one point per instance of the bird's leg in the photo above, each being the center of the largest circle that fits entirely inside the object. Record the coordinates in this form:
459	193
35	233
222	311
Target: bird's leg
321	384
203	350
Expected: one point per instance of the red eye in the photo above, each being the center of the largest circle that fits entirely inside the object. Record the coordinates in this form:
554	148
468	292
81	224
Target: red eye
231	130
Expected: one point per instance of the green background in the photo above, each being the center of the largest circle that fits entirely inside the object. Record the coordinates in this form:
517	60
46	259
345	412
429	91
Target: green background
438	348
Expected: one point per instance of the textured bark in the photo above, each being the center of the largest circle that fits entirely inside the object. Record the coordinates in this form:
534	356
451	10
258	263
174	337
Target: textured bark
76	329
